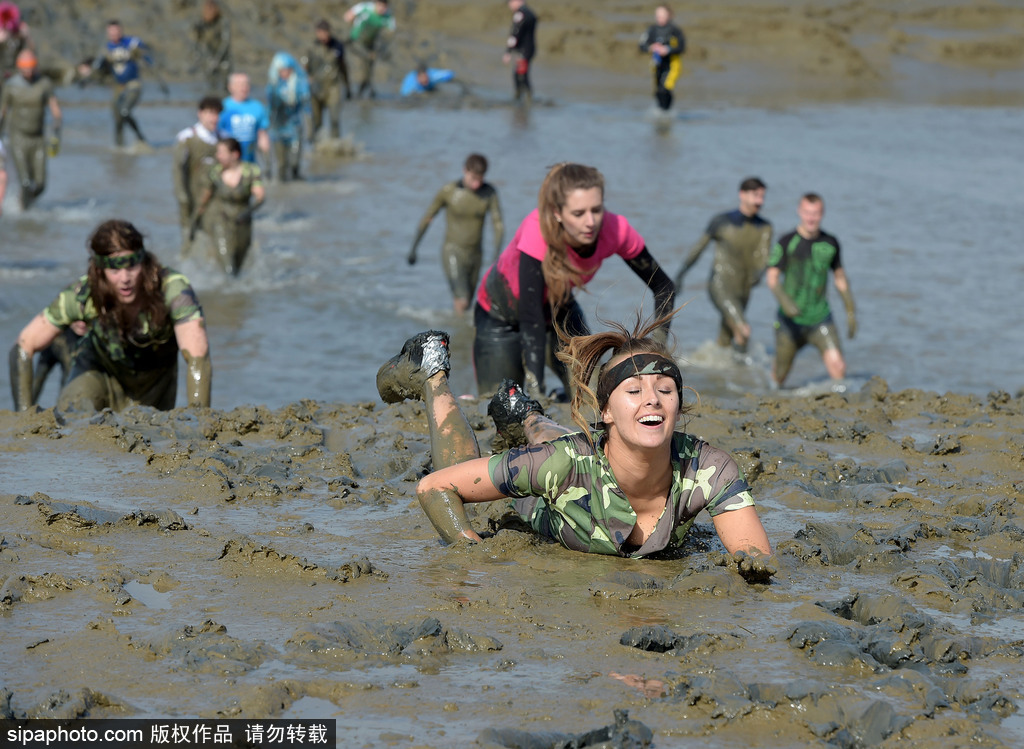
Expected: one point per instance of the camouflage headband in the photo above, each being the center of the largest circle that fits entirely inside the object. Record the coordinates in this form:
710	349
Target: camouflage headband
638	364
121	261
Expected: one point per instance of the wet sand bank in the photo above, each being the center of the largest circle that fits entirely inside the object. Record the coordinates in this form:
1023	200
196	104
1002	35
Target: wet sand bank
275	563
749	52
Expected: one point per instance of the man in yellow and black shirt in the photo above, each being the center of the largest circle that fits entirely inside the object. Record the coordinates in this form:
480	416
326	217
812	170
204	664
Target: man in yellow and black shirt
665	41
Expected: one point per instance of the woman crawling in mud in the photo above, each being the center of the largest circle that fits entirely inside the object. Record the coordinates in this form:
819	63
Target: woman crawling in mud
632	487
135	316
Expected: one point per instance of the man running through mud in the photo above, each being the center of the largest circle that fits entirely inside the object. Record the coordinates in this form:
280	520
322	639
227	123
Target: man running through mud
23	106
742	240
467	201
798	276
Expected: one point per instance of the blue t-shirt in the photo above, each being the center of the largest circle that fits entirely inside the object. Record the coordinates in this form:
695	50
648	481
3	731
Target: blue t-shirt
242	121
410	85
122	57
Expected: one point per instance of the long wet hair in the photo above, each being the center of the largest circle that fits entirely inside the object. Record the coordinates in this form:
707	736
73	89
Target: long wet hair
117	235
582	355
560	273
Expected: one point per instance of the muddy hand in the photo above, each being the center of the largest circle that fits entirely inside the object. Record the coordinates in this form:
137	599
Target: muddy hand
753	569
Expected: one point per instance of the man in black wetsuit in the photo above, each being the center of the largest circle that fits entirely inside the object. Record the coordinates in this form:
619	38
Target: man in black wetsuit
666	43
522	43
742	241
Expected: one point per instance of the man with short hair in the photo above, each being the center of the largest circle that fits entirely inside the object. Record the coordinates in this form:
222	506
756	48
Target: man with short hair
325	63
742	241
522	44
23	105
245	119
372	24
120	57
798	276
467	203
194	150
213	47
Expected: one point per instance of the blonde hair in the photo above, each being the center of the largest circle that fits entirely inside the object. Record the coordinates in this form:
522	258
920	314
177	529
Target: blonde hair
560	273
581	355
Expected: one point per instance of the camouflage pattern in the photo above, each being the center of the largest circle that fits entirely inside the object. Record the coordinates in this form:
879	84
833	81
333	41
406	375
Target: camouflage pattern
567	492
147	348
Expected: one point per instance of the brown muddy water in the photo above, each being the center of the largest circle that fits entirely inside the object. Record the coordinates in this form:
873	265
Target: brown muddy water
267	558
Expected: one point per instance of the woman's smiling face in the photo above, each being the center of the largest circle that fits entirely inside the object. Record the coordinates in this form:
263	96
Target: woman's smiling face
642	411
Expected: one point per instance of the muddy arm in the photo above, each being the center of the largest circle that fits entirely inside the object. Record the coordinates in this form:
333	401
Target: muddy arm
443	495
741	530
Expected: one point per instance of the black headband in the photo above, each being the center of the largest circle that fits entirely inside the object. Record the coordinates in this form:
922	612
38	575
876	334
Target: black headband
638	364
120	261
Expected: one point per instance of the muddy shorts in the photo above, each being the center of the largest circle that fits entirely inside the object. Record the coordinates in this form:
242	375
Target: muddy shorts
822	336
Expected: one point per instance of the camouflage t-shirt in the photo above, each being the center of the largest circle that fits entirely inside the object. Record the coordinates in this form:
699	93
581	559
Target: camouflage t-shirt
147	347
568	492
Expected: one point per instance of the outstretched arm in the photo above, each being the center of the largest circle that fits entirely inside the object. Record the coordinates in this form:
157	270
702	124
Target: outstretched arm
36	336
499	224
195	348
741	530
647	268
443	494
440	201
693	257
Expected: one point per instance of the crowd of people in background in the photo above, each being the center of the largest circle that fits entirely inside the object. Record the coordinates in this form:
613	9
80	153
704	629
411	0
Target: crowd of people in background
522	301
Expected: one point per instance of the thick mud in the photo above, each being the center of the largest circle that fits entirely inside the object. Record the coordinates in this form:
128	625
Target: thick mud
264	562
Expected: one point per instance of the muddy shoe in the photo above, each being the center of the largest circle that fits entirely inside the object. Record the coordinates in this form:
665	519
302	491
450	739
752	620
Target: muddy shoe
509	408
403	376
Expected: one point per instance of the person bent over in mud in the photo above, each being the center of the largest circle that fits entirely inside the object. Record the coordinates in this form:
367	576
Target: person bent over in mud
137	315
630	487
234	192
467	203
742	240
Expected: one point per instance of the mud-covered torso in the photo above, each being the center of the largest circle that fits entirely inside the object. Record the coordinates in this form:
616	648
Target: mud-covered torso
237	197
466	213
742	244
195	153
26	102
324	63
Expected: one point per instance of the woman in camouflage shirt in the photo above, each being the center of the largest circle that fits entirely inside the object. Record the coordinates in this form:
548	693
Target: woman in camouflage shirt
135	315
632	487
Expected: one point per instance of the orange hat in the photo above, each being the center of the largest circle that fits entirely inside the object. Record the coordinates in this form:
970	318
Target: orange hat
26	60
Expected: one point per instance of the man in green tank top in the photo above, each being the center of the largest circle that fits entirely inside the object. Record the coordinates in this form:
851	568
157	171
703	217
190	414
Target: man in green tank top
798	276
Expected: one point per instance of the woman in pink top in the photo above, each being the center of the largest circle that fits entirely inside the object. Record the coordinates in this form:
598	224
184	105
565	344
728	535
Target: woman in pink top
529	288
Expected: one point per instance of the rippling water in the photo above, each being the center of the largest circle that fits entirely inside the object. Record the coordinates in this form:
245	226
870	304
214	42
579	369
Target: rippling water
920	197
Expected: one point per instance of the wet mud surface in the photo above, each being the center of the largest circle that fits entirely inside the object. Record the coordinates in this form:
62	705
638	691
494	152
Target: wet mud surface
261	562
